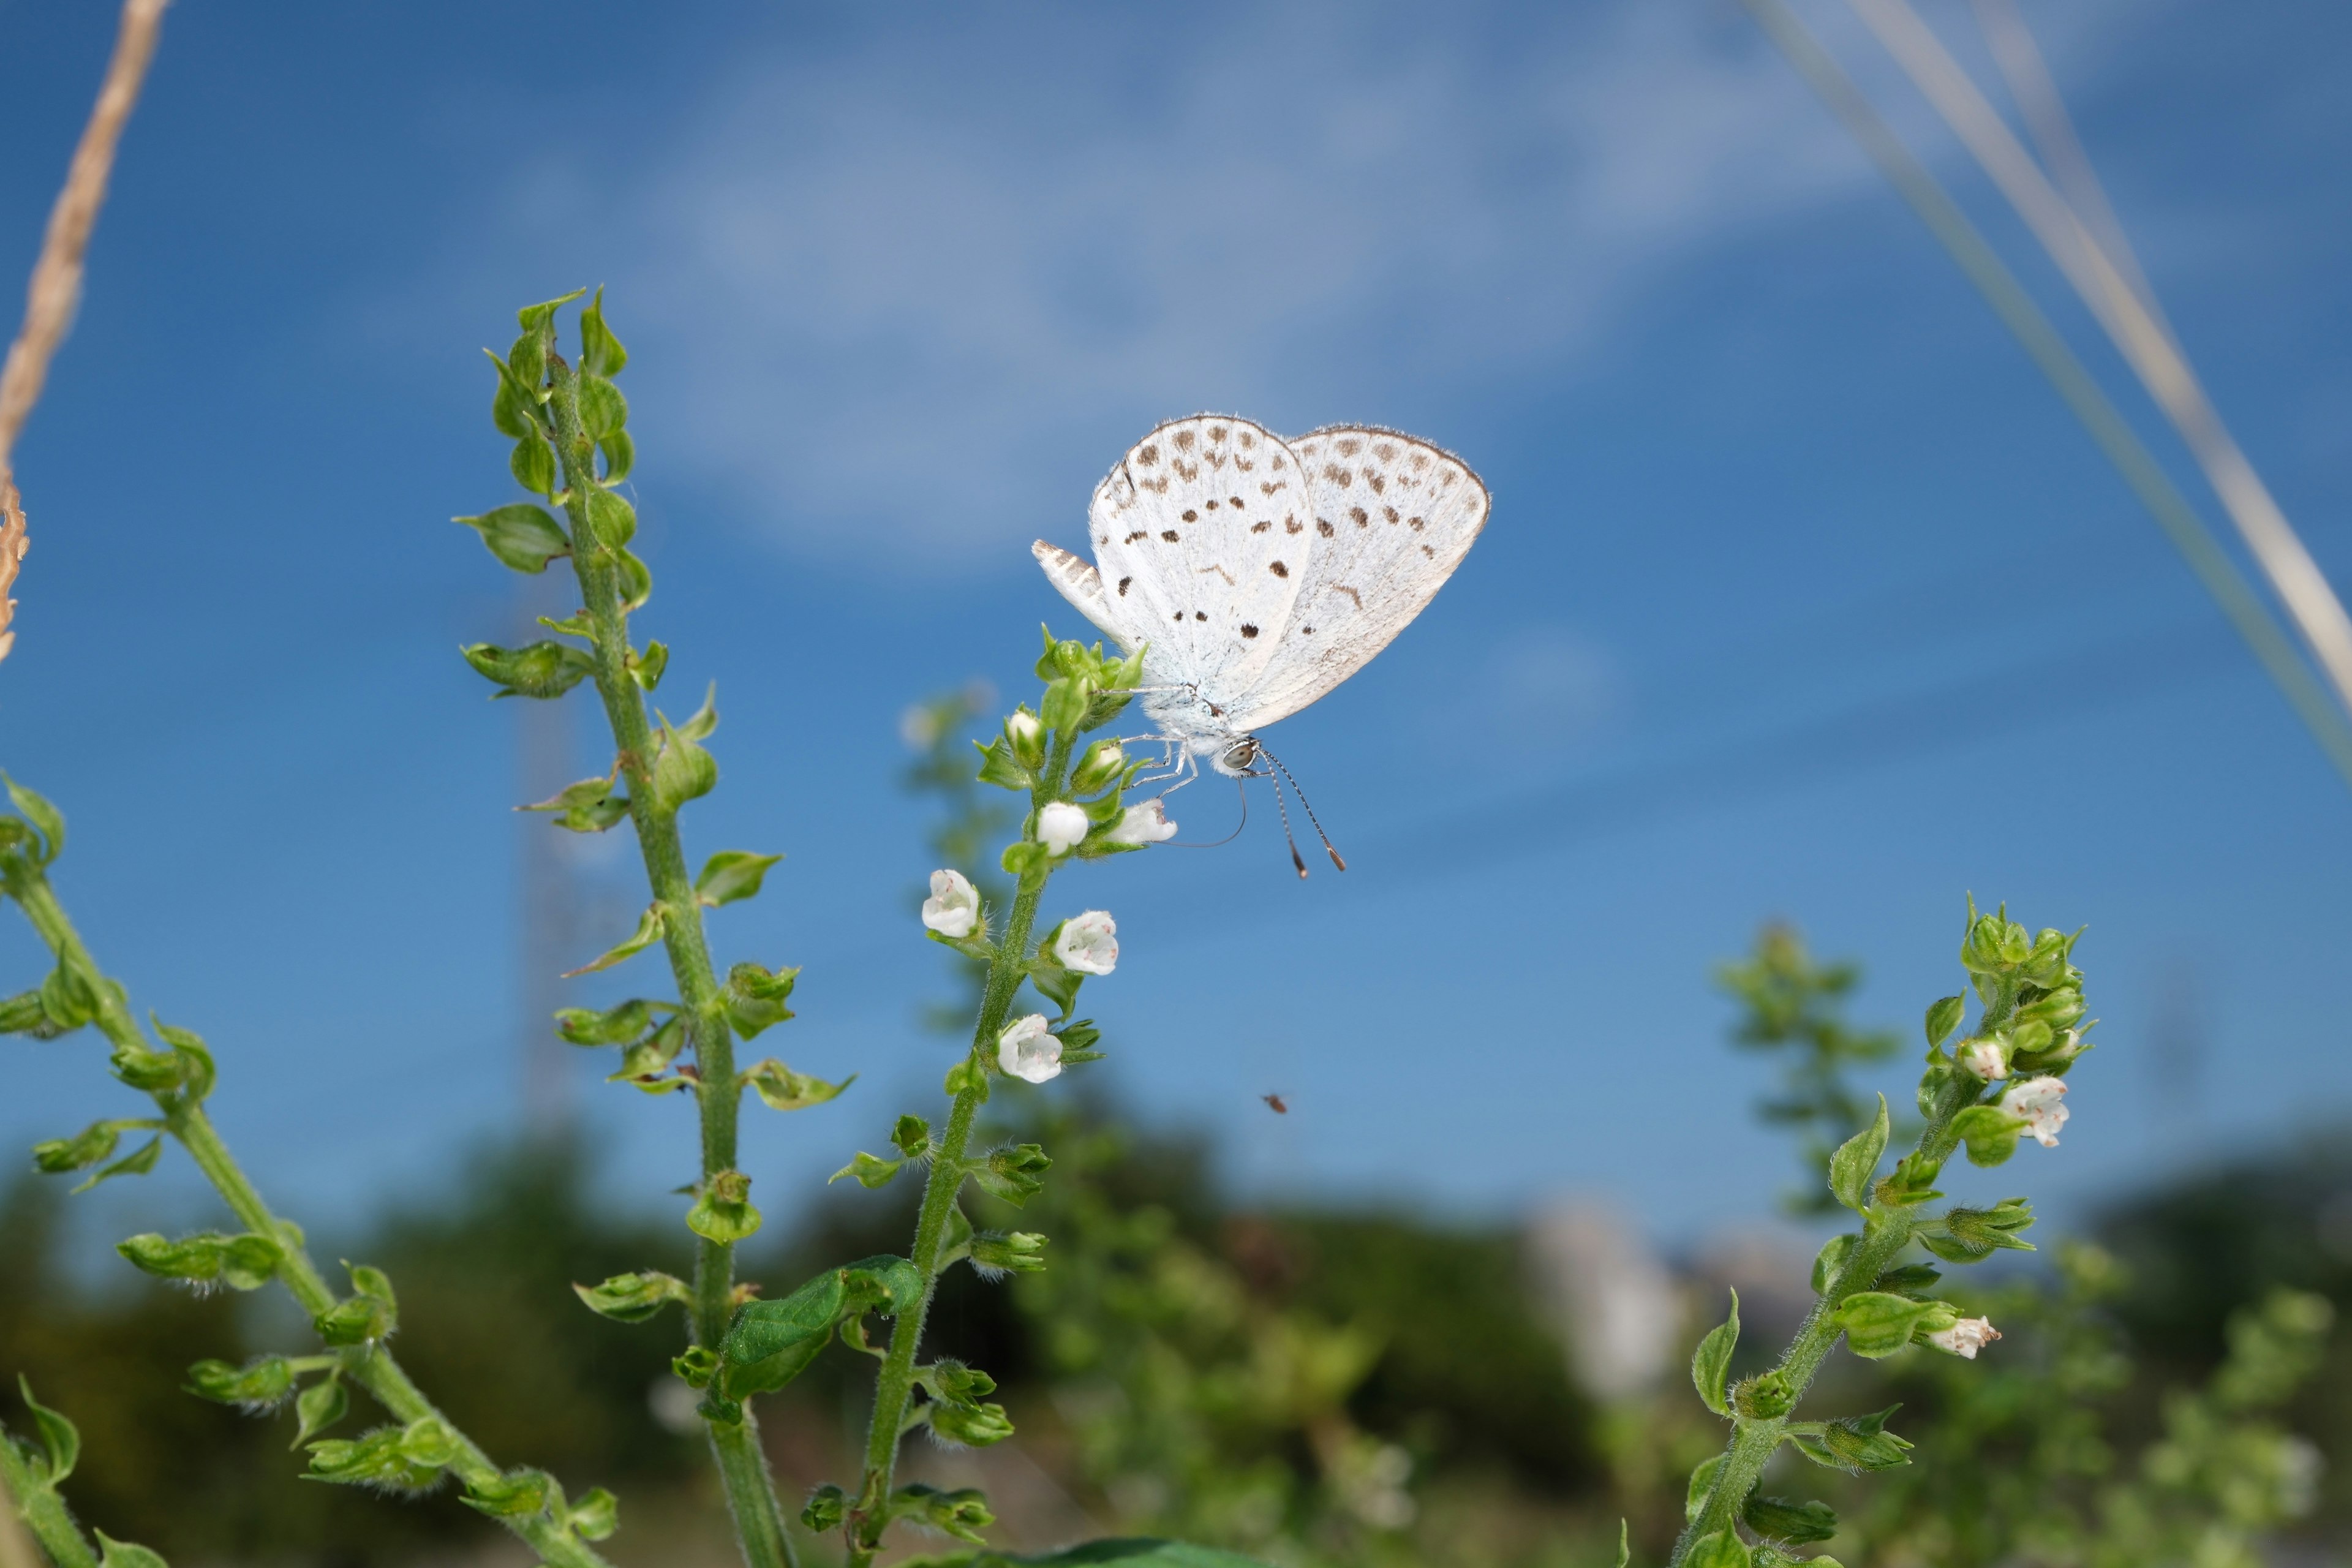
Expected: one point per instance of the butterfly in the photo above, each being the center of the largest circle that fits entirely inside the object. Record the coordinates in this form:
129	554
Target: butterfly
1258	572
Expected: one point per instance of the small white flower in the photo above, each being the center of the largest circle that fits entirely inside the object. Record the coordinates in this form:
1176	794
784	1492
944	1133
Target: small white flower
1027	736
1966	1337
953	908
1060	826
1988	1057
1145	824
1088	944
1027	1050
2040	1102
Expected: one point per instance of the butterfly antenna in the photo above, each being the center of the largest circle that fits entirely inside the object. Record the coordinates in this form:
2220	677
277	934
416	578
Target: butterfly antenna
1303	801
1228	838
1295	857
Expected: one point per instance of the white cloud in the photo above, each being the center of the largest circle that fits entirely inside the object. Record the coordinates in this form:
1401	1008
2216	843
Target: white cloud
915	288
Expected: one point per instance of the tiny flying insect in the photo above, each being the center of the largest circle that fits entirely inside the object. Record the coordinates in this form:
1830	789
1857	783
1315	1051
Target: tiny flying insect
1274	1103
1258	572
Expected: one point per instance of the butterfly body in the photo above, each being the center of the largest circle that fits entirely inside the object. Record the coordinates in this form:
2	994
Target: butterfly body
1257	574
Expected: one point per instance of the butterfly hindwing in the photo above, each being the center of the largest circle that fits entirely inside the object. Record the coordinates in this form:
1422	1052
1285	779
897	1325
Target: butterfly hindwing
1391	518
1200	535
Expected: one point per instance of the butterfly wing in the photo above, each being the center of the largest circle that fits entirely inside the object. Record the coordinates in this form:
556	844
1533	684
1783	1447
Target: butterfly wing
1200	536
1080	583
1392	517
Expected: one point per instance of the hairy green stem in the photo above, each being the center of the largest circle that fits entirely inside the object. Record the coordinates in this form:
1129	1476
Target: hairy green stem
371	1366
743	1465
1886	1230
23	1491
895	1385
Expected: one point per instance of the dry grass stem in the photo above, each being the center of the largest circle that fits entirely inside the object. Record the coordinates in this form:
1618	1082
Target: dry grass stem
55	286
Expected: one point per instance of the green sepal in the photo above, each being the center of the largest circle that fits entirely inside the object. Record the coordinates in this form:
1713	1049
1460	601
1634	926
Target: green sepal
974	1426
1722	1549
1711	1361
246	1262
911	1135
683	771
644	1060
611	522
400	1459
999	767
732	874
1779	1518
826	1508
114	1553
60	1437
782	1089
1857	1443
592	805
650	927
953	1383
1856	1162
754	998
645	668
1767	1397
962	1513
514	411
1055	983
1943	1017
637	581
1004	1252
595	1516
138	1163
603	410
534	318
614	1026
44	816
634	1298
620	450
1830	1259
24	1015
516	1494
369	1314
83	1150
969	1074
1912	1279
722	1211
705	721
542	669
1878	1323
1988	1132
870	1170
532	464
1625	1544
955	1243
526	360
695	1366
320	1407
197	1074
1024	856
600	352
1702	1482
1013	1174
68	999
259	1384
575	625
1971	1236
522	536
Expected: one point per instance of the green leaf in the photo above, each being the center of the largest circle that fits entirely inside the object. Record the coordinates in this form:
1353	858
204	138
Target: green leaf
37	811
595	1516
1625	1544
1711	1362
754	996
592	805
138	1163
1943	1018
1702	1479
533	464
650	927
246	1262
1989	1133
1856	1162
870	1170
784	1089
258	1384
320	1406
59	1436
513	1495
1878	1323
634	1298
603	410
1722	1549
542	669
600	352
611	522
1779	1518
614	1026
114	1553
522	536
730	875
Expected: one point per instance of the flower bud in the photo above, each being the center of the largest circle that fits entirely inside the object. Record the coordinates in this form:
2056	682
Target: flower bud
1764	1397
1021	1252
1101	763
1144	824
2040	1103
1088	944
953	908
1027	1050
1964	1338
1026	736
1060	826
1987	1057
825	1508
975	1427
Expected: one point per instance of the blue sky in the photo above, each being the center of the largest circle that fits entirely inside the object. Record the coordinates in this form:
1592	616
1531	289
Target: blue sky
1802	597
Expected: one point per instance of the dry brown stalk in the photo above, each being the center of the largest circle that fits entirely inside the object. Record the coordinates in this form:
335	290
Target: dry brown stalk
57	277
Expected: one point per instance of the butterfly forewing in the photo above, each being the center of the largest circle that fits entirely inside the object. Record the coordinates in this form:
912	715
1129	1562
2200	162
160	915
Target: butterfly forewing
1391	518
1201	536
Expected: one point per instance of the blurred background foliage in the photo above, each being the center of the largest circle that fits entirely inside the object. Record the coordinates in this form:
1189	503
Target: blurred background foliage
1315	1387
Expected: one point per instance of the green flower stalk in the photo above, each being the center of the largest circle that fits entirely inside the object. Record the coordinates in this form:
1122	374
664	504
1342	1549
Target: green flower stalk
2001	1081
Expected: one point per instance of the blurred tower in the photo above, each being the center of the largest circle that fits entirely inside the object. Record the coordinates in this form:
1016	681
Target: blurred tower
1612	1300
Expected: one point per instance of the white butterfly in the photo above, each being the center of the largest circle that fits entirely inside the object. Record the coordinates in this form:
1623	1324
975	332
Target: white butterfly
1257	573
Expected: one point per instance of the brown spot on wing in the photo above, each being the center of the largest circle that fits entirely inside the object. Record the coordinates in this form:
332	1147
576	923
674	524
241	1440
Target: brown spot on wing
1150	454
1248	630
1323	527
1358	516
1191	516
1279	570
1260	527
1123	581
1354	597
1183	440
1168	534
